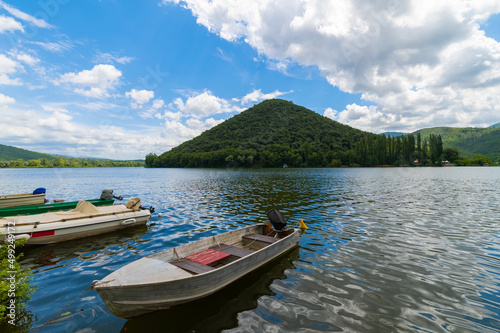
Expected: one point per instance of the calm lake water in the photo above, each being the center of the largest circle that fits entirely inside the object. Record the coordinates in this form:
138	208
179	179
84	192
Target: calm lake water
387	249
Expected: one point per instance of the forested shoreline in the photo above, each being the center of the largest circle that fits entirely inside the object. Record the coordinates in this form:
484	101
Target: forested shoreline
68	163
369	151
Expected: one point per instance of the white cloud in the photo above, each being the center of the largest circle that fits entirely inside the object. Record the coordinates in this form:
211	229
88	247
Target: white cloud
9	67
257	95
9	24
39	23
419	61
95	82
139	97
193	127
154	110
6	100
331	113
6	80
55	47
52	129
204	104
110	58
26	58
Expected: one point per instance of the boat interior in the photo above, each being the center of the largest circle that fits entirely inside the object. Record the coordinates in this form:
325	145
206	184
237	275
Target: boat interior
222	254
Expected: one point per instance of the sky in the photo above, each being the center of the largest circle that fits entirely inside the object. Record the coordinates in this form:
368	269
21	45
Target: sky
121	79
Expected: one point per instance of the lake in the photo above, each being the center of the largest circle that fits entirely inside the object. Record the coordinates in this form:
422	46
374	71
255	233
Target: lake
387	249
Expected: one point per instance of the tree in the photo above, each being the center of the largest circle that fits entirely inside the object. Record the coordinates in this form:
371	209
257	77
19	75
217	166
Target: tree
435	149
451	154
480	160
11	272
150	160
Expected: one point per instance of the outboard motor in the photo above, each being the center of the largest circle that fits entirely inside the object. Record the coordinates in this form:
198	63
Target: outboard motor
107	194
276	219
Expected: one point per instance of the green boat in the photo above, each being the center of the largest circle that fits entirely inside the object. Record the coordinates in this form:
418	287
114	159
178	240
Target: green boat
40	209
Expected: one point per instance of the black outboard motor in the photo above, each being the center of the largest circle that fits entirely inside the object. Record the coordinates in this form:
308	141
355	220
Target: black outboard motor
107	194
276	219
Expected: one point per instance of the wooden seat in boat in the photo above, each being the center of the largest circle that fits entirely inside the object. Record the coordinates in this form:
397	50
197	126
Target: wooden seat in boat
261	238
233	250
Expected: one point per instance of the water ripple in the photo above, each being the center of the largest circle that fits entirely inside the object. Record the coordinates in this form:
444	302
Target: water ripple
394	249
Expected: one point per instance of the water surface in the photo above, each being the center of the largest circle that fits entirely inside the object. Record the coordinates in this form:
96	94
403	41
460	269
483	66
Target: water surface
387	249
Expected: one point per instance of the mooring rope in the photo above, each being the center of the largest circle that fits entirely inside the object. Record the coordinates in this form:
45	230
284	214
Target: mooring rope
54	316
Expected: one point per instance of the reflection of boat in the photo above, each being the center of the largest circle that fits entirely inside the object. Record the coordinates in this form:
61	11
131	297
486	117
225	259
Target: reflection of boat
217	312
85	249
44	208
22	199
192	271
85	220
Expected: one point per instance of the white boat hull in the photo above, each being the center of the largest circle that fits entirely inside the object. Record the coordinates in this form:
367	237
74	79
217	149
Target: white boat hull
153	283
62	226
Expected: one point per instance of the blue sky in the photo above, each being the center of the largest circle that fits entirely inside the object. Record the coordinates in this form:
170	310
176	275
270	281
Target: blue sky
120	79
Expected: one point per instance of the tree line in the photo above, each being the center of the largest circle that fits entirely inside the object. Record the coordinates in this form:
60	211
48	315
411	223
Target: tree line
69	163
369	150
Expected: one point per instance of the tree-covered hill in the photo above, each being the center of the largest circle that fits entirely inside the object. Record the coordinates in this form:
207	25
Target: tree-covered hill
276	133
270	134
9	153
469	141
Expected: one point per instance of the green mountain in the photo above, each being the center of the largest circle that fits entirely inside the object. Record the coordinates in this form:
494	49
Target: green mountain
269	134
9	153
469	141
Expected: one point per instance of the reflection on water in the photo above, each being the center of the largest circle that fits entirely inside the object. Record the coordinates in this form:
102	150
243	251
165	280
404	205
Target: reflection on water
395	249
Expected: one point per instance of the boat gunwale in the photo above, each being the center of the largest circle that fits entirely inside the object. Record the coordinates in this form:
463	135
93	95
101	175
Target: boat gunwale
30	210
80	225
104	286
20	195
62	220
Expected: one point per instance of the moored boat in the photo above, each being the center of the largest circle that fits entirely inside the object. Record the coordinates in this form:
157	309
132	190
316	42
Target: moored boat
53	207
23	199
192	271
83	221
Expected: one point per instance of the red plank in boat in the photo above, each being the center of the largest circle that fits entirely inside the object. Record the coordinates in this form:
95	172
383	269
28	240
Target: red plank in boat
207	256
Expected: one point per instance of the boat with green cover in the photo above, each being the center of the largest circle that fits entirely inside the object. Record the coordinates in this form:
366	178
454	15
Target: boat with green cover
40	209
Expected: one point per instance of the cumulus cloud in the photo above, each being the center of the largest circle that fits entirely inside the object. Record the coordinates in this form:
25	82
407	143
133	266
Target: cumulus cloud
139	97
204	104
415	60
53	129
93	83
154	110
9	24
257	95
6	100
8	67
